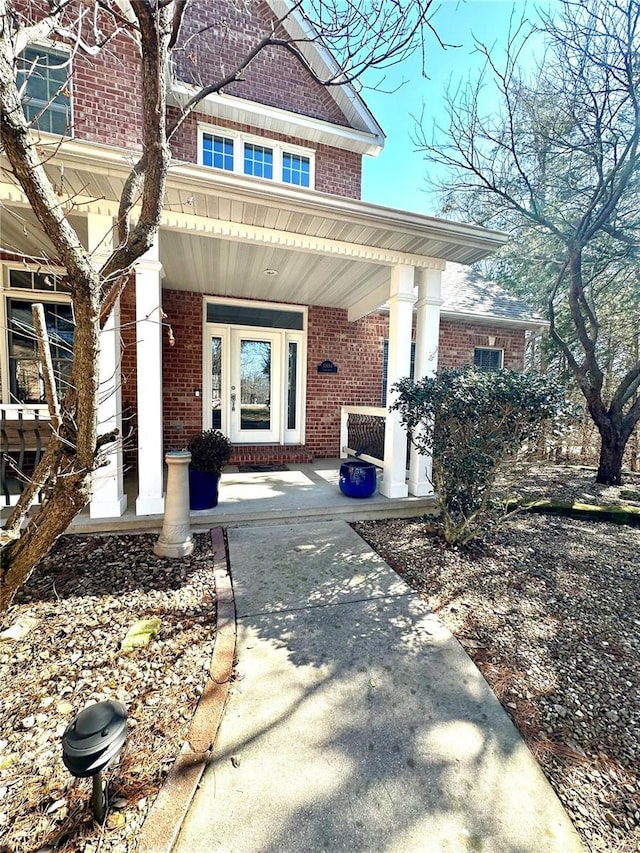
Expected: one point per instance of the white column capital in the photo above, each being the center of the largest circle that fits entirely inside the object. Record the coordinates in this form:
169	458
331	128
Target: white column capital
429	284
402	283
145	264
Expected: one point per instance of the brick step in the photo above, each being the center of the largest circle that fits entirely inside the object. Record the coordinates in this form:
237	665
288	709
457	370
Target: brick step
270	454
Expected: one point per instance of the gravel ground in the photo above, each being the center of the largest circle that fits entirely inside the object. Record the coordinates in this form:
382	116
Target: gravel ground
79	605
548	610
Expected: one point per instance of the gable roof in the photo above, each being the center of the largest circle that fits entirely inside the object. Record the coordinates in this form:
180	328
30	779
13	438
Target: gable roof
466	293
357	130
320	59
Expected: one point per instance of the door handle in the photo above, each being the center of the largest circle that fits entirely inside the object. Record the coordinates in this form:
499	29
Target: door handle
233	402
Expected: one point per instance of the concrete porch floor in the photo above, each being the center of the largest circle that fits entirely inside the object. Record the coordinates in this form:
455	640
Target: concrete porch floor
303	493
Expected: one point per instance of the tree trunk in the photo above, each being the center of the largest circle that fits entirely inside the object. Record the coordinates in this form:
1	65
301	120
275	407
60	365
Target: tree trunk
70	494
610	464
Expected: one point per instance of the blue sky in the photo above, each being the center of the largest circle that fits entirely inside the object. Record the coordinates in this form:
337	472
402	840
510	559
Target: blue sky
396	178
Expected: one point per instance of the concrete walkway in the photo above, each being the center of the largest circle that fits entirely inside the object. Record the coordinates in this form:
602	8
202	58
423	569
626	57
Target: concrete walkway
357	722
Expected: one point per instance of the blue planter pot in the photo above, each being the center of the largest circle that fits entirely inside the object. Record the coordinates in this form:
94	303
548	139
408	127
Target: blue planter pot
203	489
357	478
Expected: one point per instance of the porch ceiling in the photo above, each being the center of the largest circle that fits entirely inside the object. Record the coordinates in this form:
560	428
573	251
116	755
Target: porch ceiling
209	265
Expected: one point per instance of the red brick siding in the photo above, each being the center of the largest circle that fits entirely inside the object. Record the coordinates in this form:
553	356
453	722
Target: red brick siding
107	91
357	350
107	95
337	171
458	340
181	368
275	77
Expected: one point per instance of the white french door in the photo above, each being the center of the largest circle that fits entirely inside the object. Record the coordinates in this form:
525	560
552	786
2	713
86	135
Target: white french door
254	384
255	390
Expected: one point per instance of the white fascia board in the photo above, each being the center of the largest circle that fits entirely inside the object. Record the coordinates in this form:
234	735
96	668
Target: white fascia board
277	120
491	319
485	319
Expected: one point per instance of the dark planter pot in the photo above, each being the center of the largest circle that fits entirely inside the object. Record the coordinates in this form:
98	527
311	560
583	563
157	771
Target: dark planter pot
203	489
357	478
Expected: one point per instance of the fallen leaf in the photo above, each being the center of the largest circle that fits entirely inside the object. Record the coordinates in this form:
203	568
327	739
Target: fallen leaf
140	634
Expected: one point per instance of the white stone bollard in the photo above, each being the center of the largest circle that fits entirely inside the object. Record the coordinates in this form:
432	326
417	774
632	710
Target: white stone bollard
175	539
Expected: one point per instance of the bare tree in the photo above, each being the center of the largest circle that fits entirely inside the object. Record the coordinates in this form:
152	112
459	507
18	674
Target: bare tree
559	163
355	36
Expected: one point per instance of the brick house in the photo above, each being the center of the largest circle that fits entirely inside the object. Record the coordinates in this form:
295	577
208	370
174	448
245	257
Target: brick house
274	299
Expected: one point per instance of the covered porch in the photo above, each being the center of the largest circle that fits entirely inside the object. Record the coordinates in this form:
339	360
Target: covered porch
231	238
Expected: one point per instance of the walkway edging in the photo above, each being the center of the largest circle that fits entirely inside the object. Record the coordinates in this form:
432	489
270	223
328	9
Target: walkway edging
165	818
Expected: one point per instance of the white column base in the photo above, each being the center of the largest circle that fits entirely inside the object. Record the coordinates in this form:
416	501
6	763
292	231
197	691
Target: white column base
394	490
150	505
108	509
420	489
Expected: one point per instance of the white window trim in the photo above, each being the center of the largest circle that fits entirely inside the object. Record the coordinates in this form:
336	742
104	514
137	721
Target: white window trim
295	436
240	138
7	292
58	47
492	349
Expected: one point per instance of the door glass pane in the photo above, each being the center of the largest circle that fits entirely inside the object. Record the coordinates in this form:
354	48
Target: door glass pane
255	385
216	383
292	383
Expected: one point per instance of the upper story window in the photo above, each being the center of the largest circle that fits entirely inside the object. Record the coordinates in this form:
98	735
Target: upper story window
295	169
23	372
243	154
44	75
488	359
258	161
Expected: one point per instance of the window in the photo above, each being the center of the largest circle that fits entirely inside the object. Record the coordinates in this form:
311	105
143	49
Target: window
488	359
249	315
258	161
255	156
25	372
295	170
44	76
217	151
29	280
21	369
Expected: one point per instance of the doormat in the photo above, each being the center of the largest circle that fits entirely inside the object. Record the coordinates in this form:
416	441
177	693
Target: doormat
259	469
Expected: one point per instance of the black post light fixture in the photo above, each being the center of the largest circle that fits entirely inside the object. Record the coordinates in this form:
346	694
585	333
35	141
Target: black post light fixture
90	742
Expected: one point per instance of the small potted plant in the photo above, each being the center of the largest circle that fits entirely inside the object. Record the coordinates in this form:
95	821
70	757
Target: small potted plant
210	451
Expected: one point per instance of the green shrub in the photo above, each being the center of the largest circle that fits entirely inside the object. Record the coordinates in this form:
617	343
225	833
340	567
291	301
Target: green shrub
472	421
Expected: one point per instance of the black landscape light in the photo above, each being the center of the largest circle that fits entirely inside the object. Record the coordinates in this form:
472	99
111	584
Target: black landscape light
90	742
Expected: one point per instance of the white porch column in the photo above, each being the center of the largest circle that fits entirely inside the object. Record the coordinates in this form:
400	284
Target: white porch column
426	363
150	500
108	498
394	483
